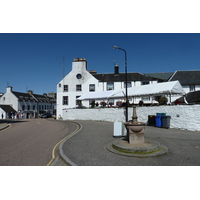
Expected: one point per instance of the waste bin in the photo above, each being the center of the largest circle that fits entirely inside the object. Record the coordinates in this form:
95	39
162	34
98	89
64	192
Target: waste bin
166	121
151	120
161	114
158	120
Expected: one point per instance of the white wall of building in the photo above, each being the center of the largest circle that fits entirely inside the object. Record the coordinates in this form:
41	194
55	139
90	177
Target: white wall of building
188	89
78	67
182	116
2	114
26	107
71	80
9	99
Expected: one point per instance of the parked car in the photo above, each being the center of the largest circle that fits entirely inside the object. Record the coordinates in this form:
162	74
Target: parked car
46	115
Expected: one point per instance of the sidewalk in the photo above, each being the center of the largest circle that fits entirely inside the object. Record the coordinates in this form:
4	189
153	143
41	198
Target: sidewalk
88	147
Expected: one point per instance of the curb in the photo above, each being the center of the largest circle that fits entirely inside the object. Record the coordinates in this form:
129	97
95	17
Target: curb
4	126
61	152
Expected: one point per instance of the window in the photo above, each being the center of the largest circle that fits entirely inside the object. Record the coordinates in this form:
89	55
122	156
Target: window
92	87
147	98
59	85
192	88
33	107
110	86
145	83
23	107
78	88
78	102
65	89
128	84
28	108
65	100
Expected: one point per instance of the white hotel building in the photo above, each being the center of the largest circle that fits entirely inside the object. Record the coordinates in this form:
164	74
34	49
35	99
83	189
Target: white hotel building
80	81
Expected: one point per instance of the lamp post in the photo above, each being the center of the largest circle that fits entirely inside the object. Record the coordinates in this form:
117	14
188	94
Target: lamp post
126	93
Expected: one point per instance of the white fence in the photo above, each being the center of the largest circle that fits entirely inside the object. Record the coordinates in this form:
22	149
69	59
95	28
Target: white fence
182	116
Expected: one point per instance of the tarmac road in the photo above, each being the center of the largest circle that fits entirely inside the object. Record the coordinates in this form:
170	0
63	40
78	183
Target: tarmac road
88	147
30	142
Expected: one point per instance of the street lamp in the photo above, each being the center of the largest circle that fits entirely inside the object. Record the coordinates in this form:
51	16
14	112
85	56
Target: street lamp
126	93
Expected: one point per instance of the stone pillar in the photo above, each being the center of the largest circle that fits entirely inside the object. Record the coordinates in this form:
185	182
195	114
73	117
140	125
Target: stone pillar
134	117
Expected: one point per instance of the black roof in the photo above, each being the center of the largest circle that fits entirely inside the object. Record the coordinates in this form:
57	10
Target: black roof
34	97
162	75
23	96
186	77
120	77
192	97
8	108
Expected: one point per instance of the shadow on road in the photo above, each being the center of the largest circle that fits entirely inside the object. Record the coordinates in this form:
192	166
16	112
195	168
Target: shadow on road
11	121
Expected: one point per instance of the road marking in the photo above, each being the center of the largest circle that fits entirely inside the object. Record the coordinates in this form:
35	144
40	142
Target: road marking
38	122
198	147
6	128
53	151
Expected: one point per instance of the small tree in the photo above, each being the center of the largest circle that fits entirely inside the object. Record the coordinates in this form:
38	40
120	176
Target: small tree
92	104
162	100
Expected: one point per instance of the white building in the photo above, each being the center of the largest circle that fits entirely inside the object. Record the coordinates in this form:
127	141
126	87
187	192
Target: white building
28	104
80	81
6	111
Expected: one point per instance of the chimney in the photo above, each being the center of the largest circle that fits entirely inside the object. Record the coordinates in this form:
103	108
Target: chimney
79	64
9	89
30	92
116	69
92	72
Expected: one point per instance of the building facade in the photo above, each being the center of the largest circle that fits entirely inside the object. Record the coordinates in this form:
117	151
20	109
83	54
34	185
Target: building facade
28	104
190	80
80	81
7	112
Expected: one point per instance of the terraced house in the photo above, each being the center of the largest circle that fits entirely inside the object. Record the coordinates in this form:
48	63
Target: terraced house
28	104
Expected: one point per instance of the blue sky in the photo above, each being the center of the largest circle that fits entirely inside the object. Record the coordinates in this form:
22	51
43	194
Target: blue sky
34	61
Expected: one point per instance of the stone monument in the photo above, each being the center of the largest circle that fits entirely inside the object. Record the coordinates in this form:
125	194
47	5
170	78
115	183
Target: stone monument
135	144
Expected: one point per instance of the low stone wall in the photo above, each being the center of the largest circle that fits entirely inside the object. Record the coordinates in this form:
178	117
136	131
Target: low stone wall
182	116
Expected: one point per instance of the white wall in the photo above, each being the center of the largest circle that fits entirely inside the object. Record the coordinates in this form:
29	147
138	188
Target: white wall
182	116
9	99
2	112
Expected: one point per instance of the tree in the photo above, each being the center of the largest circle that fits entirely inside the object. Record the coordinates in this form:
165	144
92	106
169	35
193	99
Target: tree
162	100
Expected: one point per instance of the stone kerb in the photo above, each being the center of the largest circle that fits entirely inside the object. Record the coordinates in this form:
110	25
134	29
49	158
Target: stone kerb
182	116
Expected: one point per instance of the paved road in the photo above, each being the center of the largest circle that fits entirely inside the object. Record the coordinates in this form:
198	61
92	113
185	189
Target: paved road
88	147
30	142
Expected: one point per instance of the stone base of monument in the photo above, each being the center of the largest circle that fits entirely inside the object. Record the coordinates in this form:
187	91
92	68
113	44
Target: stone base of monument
150	148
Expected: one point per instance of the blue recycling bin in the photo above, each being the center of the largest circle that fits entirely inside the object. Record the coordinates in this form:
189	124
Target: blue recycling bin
158	120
